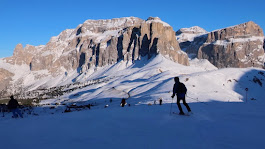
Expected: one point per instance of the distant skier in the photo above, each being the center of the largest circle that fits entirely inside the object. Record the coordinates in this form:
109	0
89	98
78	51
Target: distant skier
181	90
3	109
13	106
123	102
160	101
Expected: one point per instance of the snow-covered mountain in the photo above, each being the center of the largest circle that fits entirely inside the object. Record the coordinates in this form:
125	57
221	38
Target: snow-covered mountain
93	44
75	55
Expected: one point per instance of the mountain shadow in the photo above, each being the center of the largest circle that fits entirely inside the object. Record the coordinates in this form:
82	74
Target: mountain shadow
251	85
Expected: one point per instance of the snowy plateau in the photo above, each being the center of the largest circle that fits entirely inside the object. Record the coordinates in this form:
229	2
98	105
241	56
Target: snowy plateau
225	115
188	34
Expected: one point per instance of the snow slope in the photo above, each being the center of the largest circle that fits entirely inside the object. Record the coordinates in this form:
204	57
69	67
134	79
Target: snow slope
215	125
222	118
153	79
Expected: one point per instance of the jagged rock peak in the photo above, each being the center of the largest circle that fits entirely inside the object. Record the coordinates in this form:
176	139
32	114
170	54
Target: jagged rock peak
18	49
157	20
96	27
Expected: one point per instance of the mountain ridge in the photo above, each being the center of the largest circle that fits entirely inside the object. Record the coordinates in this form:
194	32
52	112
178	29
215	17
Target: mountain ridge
93	45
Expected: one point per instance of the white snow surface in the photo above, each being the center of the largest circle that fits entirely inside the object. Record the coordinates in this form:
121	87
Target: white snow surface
222	116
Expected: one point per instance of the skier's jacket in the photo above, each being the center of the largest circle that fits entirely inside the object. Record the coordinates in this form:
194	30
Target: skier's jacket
12	104
179	89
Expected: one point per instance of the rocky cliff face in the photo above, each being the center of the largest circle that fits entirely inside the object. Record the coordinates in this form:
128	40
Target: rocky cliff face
238	46
5	78
96	43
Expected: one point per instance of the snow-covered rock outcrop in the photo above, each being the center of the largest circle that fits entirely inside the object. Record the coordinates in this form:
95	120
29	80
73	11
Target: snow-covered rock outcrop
238	46
188	34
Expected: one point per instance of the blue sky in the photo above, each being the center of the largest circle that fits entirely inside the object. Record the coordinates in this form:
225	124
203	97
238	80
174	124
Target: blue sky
34	22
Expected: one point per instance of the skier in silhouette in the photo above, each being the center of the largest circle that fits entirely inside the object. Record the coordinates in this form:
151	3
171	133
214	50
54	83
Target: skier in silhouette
13	106
3	109
181	90
123	102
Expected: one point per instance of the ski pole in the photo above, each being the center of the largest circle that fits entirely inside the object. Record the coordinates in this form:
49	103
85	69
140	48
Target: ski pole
171	107
196	99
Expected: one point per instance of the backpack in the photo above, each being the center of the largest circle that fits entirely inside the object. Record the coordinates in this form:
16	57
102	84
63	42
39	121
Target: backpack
182	88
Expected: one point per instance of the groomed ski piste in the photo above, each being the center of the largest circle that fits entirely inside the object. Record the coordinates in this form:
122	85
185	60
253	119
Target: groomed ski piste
225	115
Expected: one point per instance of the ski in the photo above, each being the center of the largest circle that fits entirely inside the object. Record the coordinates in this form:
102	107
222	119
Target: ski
185	114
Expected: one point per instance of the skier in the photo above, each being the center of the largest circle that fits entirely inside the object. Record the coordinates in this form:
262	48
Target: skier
123	102
13	106
160	101
181	90
3	109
